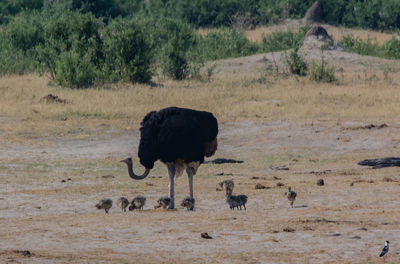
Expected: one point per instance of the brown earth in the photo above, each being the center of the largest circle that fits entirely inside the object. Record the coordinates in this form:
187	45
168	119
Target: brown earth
335	223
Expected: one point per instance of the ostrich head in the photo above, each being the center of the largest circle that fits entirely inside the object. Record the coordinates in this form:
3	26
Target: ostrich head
128	161
220	186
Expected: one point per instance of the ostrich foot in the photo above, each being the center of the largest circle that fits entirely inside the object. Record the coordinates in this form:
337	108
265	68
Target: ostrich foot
171	205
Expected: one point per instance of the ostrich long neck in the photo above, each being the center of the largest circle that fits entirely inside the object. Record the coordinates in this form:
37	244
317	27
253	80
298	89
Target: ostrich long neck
137	177
228	194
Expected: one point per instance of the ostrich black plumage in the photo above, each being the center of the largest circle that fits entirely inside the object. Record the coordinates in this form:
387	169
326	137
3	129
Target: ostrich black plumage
180	138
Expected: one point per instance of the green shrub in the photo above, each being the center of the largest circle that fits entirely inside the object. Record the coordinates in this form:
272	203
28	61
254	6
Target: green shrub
66	39
9	8
392	48
75	71
128	53
296	64
174	39
225	43
18	41
321	72
283	40
363	47
25	31
14	61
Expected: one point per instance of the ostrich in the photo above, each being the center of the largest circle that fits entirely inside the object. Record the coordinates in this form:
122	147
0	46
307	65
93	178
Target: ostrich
123	203
104	204
163	202
235	200
291	195
137	203
188	202
180	138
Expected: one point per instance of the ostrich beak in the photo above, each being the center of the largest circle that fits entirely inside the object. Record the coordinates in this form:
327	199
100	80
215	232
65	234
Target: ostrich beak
124	160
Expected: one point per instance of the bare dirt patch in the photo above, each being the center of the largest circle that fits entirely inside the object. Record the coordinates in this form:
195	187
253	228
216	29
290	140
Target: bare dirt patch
57	221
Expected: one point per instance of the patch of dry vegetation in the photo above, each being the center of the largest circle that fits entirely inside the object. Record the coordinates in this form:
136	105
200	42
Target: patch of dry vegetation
363	91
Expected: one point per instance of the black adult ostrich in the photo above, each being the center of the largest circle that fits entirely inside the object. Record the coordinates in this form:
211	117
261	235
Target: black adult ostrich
180	138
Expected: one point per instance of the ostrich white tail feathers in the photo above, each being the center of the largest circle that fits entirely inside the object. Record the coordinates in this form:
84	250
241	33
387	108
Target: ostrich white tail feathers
134	176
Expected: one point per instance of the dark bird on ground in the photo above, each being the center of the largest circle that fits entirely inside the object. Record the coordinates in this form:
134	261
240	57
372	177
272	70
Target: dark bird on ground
180	138
291	195
235	201
188	203
137	203
205	235
123	203
104	204
163	202
385	249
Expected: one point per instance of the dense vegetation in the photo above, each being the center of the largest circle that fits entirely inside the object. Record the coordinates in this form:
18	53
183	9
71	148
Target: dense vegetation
371	14
83	42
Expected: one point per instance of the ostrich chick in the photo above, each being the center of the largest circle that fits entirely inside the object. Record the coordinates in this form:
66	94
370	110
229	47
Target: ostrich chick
163	202
235	200
104	204
137	203
123	203
188	202
291	195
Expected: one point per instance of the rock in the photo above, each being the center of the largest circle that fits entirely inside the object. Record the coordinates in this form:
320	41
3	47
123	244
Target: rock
320	182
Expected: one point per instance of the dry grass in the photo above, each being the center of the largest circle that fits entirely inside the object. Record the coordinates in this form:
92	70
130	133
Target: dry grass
360	94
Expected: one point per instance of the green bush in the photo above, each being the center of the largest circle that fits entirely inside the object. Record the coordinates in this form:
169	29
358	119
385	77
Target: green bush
66	39
75	71
391	48
14	61
18	41
225	43
283	40
9	8
321	72
25	31
174	39
296	64
128	53
363	47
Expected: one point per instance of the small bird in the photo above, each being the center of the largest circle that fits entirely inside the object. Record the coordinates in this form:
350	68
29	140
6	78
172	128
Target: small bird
205	235
188	202
137	203
123	203
385	249
163	202
104	204
291	195
235	201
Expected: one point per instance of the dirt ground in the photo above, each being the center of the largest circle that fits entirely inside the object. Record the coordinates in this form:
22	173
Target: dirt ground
336	223
48	192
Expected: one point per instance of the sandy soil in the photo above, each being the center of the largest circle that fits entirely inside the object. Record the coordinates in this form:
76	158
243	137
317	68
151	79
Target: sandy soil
335	223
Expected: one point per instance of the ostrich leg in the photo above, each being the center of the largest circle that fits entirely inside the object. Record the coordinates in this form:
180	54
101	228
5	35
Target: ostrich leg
190	173
171	172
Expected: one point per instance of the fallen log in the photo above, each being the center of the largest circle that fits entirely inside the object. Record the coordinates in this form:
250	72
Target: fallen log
381	163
